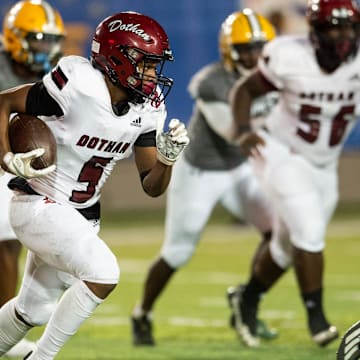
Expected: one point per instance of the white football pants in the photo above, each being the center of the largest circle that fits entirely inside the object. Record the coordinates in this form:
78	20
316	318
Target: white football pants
302	195
192	195
64	246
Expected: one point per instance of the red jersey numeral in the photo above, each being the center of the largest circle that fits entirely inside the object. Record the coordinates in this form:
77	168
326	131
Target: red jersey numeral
90	173
338	127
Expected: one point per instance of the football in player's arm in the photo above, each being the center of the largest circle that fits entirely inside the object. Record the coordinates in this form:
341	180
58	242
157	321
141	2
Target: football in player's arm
100	111
295	156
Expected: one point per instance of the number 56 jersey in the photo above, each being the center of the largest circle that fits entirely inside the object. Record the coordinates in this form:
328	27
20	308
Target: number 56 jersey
316	110
90	136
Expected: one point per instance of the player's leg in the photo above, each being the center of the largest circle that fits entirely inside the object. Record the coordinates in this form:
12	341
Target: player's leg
246	201
306	209
75	249
9	255
38	294
158	276
267	270
191	197
271	169
308	238
309	267
264	275
10	249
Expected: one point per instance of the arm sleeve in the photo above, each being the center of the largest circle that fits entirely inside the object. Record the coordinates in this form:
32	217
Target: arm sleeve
210	88
218	116
39	102
147	139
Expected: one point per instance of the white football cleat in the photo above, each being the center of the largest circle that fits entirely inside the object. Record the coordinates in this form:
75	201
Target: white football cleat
22	348
326	336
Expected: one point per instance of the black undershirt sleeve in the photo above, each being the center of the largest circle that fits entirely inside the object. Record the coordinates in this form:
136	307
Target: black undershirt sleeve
147	139
39	102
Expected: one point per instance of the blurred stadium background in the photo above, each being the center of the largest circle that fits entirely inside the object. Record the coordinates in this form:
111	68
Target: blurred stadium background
192	26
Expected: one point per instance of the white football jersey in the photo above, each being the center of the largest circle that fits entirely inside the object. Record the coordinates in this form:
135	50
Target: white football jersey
316	111
90	137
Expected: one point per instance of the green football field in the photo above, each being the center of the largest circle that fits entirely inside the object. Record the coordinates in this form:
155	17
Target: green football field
191	318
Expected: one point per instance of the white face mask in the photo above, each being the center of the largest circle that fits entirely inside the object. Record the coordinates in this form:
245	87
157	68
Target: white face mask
240	68
243	70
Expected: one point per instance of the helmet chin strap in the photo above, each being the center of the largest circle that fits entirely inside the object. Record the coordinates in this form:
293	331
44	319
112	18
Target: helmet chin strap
148	88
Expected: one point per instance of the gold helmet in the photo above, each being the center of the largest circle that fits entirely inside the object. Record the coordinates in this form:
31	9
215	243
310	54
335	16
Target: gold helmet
241	38
32	34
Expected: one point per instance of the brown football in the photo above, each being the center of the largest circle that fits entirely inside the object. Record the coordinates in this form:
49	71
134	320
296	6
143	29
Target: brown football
28	132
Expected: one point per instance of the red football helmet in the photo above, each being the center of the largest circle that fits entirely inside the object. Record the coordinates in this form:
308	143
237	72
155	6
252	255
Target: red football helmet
332	11
324	15
124	40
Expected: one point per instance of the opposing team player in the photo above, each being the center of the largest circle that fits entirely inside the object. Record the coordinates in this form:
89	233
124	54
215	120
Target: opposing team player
212	169
100	111
296	157
33	34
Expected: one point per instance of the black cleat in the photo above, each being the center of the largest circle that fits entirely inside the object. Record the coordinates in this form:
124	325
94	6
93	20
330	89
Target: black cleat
244	317
142	331
263	331
349	348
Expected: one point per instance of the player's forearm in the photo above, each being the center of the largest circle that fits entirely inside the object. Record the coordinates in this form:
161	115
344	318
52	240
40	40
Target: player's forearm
240	102
157	180
241	97
12	100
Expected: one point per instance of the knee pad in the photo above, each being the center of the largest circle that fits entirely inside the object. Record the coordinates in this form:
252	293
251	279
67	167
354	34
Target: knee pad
96	262
111	272
180	242
103	272
281	254
177	255
310	237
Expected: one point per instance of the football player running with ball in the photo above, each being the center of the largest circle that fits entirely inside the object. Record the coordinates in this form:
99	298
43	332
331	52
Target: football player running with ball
212	170
100	111
296	156
33	34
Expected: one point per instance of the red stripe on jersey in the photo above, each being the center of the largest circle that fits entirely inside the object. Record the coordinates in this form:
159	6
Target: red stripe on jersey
59	78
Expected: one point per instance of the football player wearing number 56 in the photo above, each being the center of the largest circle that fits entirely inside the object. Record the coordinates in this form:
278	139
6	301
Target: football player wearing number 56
296	156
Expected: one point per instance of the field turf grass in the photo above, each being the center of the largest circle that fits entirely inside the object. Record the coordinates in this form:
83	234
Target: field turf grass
191	317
